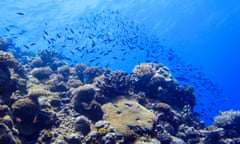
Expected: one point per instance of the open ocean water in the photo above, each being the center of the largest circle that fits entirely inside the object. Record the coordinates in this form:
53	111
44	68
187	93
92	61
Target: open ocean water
197	40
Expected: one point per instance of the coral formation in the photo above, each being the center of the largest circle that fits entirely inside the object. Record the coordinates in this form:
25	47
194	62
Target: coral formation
82	124
8	134
47	58
9	81
83	101
25	112
58	103
156	81
126	115
230	122
115	83
41	73
7	60
91	72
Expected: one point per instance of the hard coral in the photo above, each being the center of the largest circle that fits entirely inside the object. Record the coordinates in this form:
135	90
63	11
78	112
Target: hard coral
7	60
146	70
49	58
41	73
230	122
83	101
64	71
115	83
56	83
91	72
25	112
7	84
153	78
8	134
82	124
156	81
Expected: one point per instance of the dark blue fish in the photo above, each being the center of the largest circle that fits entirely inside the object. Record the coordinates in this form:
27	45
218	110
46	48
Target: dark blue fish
58	36
45	32
107	65
26	46
97	63
7	29
44	37
70	38
20	13
92	60
72	52
32	44
52	39
72	31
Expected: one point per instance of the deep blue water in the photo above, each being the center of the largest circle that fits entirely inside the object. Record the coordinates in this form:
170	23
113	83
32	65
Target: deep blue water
201	38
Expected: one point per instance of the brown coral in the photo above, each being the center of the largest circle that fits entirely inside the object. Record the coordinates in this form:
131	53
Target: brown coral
91	72
7	60
25	112
83	101
41	73
146	70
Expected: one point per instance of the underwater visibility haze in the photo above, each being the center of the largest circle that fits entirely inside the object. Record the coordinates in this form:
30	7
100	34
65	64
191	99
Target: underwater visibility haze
129	71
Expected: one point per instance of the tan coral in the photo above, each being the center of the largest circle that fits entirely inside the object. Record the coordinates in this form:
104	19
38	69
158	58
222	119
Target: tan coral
41	73
25	112
125	114
146	69
8	60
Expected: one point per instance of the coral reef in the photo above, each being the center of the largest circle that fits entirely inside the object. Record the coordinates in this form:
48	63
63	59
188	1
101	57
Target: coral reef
41	73
82	124
49	101
8	134
7	60
115	83
48	57
10	81
126	115
83	101
156	81
25	112
226	128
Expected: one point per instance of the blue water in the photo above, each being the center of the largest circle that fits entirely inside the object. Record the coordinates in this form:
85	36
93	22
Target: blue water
201	38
